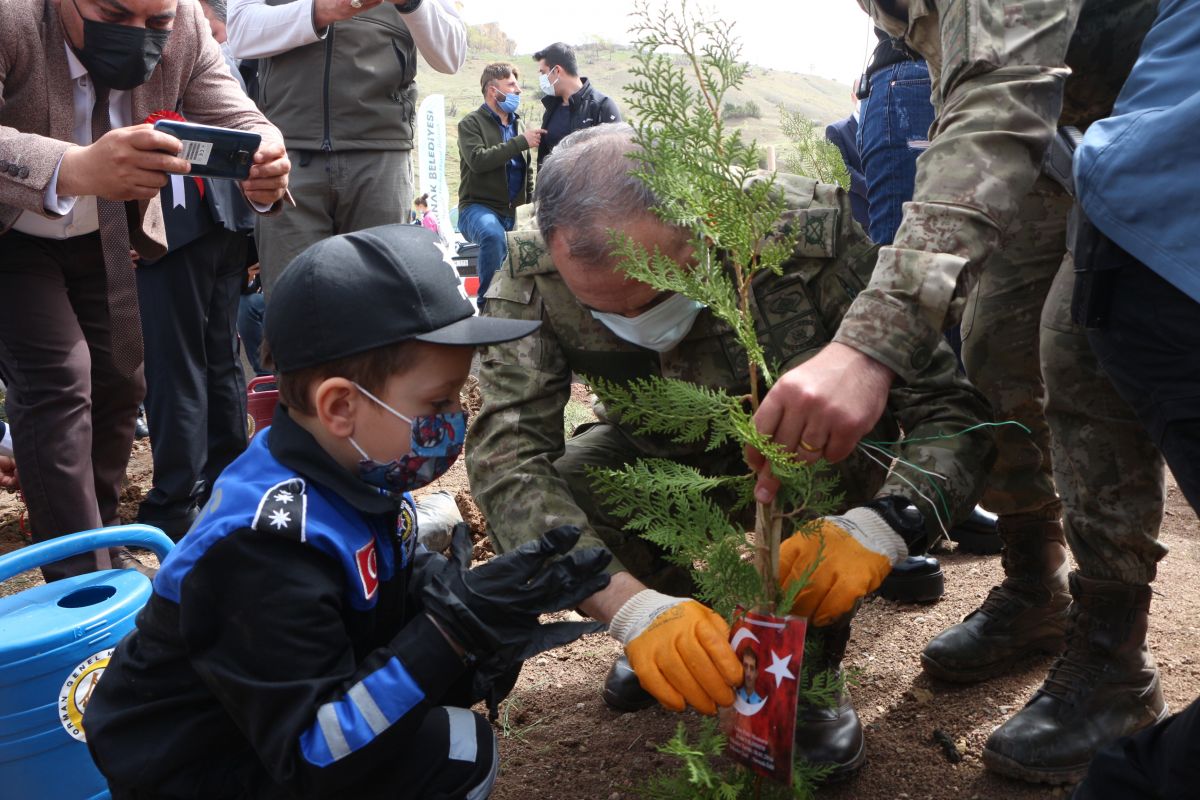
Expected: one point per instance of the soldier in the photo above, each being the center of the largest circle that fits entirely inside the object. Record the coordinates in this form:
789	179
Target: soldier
980	212
521	468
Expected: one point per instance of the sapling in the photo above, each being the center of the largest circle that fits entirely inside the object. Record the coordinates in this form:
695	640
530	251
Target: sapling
704	174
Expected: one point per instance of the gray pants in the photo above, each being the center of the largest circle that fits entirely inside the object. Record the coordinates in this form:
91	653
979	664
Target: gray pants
335	193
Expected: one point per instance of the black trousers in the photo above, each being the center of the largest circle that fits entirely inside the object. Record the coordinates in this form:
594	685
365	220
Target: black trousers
195	389
1159	763
1150	348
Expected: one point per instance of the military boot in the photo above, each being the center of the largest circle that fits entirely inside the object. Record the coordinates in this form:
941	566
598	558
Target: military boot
1104	686
1025	614
824	735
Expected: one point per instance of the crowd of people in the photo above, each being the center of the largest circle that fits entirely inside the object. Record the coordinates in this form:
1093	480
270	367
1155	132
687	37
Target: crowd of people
300	642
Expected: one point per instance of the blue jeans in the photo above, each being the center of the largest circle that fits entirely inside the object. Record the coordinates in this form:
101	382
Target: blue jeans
893	130
251	310
486	228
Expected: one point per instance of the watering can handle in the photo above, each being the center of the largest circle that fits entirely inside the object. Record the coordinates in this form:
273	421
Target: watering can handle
42	553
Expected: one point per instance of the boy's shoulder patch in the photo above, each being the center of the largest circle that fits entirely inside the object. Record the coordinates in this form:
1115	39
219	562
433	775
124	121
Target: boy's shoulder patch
283	510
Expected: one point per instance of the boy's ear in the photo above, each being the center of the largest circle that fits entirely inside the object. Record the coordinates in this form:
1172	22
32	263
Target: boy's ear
336	402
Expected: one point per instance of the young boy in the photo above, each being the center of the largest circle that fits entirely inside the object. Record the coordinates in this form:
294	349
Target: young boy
298	643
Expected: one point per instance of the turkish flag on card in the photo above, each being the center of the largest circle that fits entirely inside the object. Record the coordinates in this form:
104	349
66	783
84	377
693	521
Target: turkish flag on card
761	724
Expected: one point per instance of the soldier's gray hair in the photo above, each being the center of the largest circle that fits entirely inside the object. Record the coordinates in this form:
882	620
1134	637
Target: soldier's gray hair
584	189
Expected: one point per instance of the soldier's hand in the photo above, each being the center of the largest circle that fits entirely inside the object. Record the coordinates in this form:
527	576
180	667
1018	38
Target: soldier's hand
679	650
124	164
327	12
533	136
820	409
856	551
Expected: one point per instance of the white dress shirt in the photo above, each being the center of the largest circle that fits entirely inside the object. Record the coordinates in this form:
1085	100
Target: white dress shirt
257	30
78	214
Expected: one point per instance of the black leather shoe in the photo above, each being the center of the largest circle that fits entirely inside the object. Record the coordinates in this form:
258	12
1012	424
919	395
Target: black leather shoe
123	559
978	533
831	736
622	691
917	579
140	429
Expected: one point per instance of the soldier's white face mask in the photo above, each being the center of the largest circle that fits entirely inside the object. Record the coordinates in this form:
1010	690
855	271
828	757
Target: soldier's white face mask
660	329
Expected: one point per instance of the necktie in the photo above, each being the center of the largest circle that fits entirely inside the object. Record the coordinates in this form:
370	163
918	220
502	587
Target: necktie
125	325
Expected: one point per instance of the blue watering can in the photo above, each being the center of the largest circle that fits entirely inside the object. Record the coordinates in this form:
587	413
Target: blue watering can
55	641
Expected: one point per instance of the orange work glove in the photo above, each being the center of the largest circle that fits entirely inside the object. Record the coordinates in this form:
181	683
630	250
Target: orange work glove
860	550
679	650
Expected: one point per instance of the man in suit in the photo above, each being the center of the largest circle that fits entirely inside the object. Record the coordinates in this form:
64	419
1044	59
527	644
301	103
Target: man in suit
79	183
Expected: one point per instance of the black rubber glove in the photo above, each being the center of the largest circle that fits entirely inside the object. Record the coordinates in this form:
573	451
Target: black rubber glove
492	610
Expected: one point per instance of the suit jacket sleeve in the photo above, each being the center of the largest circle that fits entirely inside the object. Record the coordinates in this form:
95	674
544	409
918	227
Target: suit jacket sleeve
35	156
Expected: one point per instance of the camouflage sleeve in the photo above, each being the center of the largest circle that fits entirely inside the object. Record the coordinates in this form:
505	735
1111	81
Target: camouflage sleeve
518	434
1000	69
938	403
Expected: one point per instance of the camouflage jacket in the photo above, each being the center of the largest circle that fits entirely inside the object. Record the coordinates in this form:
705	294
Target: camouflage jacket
998	71
519	434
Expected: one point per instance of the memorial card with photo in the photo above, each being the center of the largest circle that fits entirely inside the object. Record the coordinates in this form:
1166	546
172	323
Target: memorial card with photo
761	724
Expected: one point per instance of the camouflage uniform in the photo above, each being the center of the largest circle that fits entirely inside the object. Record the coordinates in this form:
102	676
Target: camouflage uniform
981	212
522	470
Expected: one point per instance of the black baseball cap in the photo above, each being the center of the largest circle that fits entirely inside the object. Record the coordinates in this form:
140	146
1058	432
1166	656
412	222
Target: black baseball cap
352	293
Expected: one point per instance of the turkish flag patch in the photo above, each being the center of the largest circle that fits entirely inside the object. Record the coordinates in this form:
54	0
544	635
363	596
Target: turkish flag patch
368	569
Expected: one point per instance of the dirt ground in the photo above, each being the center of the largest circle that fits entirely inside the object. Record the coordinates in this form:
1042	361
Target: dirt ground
559	740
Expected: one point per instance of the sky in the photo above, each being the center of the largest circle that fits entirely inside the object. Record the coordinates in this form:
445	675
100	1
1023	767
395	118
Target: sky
830	38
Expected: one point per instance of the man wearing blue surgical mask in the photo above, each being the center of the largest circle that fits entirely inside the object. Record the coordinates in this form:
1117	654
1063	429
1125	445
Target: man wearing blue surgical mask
599	323
495	178
571	100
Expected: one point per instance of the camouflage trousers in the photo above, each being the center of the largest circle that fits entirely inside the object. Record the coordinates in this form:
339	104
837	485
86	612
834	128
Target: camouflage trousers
1036	367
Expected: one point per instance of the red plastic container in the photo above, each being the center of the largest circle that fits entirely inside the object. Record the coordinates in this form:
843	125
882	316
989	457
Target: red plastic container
261	399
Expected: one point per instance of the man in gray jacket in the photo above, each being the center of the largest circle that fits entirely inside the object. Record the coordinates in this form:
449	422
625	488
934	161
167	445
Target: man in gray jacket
337	77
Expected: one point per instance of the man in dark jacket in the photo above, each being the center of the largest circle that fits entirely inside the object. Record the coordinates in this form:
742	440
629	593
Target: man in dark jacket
338	79
571	101
493	148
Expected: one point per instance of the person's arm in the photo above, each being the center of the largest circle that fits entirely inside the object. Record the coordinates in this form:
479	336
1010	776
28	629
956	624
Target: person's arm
439	34
257	30
1001	96
262	620
480	157
518	434
609	112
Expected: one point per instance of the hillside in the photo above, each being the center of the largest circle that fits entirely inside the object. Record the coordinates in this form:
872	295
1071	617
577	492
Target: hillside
608	68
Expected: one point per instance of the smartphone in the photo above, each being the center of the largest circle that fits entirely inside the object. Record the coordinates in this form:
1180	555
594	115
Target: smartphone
214	152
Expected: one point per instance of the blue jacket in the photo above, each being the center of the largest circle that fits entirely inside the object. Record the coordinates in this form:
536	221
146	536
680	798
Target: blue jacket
1137	172
283	652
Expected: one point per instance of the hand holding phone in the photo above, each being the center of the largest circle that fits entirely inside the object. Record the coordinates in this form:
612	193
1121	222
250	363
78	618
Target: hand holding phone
213	152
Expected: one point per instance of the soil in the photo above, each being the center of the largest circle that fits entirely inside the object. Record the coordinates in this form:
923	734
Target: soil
558	739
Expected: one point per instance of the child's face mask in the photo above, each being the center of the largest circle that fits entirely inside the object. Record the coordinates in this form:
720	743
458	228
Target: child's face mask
436	442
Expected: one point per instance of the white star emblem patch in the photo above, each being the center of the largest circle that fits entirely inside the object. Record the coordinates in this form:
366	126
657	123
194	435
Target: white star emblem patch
281	519
283	497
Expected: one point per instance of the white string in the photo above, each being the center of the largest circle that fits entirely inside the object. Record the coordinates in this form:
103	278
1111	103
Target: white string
937	515
908	464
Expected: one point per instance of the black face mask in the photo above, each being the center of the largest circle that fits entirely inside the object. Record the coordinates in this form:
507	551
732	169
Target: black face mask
119	57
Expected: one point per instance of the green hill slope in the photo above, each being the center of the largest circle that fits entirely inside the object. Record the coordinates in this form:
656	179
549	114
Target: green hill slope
608	66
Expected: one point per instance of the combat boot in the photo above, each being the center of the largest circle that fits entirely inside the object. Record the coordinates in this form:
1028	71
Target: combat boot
1105	685
1025	614
832	736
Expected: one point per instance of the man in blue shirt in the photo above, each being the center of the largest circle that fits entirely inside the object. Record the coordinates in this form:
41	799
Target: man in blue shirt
493	148
1137	258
